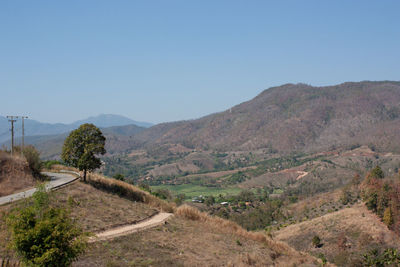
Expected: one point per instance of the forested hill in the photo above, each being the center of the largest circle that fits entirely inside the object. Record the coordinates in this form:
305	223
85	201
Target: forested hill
294	117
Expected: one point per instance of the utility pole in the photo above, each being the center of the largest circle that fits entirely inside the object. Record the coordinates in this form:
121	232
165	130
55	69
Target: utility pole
23	133
12	119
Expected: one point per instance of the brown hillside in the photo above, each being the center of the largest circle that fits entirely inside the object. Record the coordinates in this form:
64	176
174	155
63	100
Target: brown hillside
15	174
295	117
345	235
291	117
190	238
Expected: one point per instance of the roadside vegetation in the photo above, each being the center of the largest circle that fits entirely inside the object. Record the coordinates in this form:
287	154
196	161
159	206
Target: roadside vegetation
20	171
43	234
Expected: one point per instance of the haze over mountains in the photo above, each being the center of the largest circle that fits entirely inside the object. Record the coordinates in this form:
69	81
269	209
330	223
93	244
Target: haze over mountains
36	128
284	119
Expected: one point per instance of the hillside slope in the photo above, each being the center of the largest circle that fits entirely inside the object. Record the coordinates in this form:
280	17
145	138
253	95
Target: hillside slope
291	117
15	174
295	117
345	234
189	238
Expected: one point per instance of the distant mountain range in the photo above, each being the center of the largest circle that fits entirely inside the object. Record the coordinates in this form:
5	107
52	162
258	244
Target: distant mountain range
283	119
35	128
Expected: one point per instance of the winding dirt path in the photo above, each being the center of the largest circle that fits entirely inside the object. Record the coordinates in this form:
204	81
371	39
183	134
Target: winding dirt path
156	220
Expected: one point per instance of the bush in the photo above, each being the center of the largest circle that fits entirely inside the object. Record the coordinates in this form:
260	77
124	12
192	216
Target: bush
163	194
316	241
43	235
33	159
119	176
49	163
377	173
372	202
179	199
388	217
389	257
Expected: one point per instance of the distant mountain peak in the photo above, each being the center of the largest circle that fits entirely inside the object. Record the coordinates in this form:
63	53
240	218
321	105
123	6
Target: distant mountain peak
34	128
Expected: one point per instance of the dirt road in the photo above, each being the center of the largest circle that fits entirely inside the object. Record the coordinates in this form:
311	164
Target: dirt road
156	220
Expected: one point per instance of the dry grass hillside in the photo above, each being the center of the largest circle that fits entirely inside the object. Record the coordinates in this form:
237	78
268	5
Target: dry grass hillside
294	117
93	209
15	174
345	235
190	238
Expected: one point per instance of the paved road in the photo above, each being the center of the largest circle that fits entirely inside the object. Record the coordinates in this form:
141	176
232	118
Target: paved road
57	179
153	221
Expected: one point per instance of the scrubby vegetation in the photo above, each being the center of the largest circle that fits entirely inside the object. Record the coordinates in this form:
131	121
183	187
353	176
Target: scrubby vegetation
33	158
45	235
20	171
382	196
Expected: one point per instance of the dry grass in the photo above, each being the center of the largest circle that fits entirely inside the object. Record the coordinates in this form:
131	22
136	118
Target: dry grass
362	231
128	191
96	210
58	167
230	227
183	242
93	209
122	189
15	174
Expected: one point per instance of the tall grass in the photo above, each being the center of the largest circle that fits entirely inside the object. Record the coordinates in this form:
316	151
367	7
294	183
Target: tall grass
128	191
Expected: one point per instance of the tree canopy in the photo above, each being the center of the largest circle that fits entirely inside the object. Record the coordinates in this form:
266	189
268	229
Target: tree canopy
81	147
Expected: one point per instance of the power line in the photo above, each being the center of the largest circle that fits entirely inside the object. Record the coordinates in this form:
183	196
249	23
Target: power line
23	133
12	119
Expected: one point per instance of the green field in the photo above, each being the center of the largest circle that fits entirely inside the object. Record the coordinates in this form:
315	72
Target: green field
197	190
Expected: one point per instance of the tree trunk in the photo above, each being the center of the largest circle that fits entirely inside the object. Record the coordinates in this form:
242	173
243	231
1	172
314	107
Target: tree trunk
84	176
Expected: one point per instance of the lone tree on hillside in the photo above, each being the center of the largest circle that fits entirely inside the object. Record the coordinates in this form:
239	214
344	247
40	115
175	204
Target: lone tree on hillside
81	147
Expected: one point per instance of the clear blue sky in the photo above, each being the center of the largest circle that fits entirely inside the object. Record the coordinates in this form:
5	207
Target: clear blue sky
159	61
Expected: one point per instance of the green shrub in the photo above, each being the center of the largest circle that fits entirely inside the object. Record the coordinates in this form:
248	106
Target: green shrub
162	193
316	241
377	173
372	201
119	176
389	257
43	235
49	163
323	258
